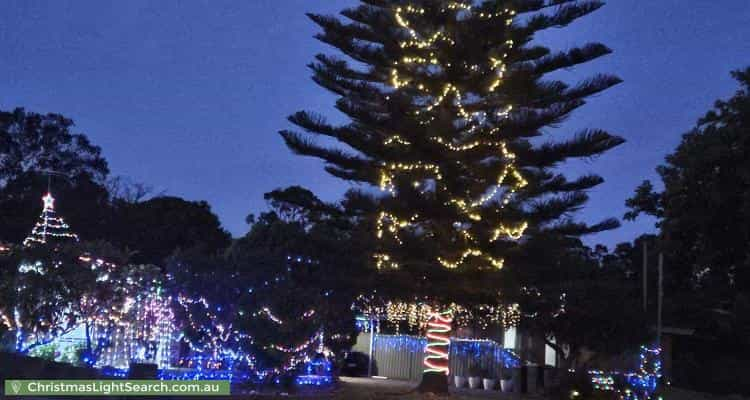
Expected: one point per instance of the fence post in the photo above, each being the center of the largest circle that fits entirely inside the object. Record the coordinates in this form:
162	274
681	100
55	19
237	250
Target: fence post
372	341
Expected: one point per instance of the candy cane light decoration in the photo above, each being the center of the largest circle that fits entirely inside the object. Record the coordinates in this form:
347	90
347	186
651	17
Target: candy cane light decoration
438	342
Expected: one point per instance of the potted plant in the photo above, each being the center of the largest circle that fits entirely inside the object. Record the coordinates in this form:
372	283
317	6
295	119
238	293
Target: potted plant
506	380
460	381
475	376
489	381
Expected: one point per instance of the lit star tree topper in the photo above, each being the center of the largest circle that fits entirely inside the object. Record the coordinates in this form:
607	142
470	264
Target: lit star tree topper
49	227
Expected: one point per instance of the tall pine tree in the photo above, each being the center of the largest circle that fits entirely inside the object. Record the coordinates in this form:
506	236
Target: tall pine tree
447	101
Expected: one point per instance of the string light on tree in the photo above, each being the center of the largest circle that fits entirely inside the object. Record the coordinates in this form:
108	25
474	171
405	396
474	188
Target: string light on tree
421	54
446	100
438	342
416	314
49	227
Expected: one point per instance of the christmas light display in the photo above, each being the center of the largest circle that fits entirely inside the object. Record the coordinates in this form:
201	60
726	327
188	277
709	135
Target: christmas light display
645	380
494	354
501	356
317	372
222	346
49	227
478	127
416	314
638	385
437	349
146	335
104	331
217	344
602	381
143	329
363	324
108	334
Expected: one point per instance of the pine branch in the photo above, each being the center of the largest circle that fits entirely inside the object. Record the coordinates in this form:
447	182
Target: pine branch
526	6
529	122
563	16
545	183
355	31
335	35
598	83
336	66
528	53
554	208
575	229
355	137
368	15
334	156
570	58
585	144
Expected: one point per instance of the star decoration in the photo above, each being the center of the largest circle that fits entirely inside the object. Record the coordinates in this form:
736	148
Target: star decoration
49	201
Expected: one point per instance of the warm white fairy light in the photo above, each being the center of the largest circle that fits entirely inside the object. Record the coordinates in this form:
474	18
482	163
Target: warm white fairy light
416	314
513	233
426	47
397	140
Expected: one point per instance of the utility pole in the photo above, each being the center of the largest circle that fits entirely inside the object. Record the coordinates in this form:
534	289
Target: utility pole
645	275
660	299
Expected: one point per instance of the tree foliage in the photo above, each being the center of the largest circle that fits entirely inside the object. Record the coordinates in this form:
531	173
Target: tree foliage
51	289
585	301
447	103
704	209
156	227
37	149
36	142
290	279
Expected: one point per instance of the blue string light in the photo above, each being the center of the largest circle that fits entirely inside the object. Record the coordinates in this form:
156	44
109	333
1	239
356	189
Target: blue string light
465	348
318	372
638	385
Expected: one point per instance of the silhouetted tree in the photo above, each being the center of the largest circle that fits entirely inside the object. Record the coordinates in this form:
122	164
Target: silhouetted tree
155	228
576	304
33	146
31	142
704	210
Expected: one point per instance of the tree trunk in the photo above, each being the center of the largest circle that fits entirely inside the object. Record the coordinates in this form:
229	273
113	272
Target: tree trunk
436	361
434	382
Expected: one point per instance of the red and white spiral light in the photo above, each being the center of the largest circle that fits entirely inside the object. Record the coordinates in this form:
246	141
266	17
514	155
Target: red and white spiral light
438	342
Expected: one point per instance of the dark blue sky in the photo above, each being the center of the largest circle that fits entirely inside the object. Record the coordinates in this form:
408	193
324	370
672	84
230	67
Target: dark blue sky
187	96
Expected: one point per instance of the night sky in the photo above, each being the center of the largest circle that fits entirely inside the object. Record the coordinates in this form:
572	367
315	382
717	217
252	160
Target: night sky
188	96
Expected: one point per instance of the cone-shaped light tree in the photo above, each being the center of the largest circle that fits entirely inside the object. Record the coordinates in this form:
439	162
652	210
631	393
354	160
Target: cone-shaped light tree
447	101
49	226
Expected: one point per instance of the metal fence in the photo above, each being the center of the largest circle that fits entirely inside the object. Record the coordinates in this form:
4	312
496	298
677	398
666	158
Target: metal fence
400	356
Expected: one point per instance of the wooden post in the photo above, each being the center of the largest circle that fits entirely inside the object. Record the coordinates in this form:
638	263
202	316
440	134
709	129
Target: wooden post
645	275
